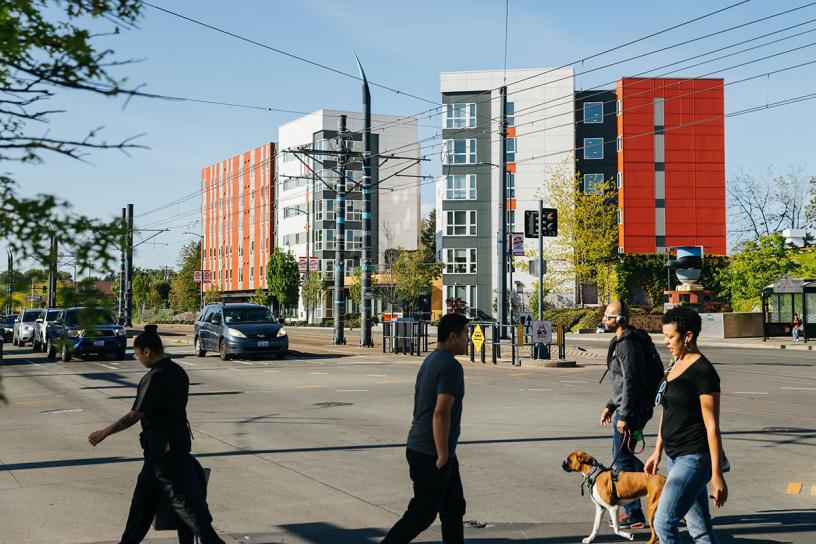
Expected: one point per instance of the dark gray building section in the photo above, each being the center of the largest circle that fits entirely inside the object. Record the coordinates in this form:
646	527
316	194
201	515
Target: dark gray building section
486	250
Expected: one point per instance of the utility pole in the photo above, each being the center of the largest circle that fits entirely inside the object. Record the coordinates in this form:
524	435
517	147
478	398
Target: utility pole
540	260
367	301
340	252
52	274
129	269
123	267
503	261
10	278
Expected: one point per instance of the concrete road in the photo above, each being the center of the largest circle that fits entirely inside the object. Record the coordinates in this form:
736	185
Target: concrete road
311	449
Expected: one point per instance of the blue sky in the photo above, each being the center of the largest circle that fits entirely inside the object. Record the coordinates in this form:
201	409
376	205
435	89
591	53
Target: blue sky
403	45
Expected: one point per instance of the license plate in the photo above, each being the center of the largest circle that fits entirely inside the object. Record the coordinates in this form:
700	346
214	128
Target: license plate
99	343
263	343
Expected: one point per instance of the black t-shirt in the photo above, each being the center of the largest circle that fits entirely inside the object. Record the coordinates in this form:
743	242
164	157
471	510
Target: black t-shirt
162	398
683	430
440	373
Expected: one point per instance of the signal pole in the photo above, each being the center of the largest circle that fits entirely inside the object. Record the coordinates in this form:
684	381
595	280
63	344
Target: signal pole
10	286
129	269
501	303
367	301
340	252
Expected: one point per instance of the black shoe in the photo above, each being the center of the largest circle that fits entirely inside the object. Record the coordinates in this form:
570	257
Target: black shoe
636	521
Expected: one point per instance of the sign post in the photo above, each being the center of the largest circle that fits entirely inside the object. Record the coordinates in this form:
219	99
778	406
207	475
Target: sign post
477	338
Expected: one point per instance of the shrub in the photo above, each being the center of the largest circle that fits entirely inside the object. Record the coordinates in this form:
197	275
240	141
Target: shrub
352	321
590	319
649	323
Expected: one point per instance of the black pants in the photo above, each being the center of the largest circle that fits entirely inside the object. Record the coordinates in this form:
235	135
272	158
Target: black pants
436	491
179	479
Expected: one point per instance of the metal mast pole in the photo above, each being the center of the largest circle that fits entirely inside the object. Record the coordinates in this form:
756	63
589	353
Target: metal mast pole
123	268
10	286
340	252
52	274
366	340
129	269
503	261
540	260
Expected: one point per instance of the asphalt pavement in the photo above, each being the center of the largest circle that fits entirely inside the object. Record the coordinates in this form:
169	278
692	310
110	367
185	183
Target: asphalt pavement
311	449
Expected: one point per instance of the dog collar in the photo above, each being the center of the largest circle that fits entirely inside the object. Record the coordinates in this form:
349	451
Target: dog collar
591	476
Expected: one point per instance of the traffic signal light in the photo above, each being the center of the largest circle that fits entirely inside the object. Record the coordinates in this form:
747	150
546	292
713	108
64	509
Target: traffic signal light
549	222
531	224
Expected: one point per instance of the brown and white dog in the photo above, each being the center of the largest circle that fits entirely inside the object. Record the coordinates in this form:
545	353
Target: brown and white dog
608	495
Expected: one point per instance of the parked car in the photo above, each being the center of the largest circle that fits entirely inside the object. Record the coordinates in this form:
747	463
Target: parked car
24	326
41	328
8	327
239	329
86	331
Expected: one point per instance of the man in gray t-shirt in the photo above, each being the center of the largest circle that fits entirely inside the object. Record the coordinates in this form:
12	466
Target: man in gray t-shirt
431	446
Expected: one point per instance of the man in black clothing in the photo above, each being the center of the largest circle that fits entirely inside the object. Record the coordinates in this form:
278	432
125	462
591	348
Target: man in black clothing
431	447
630	406
169	470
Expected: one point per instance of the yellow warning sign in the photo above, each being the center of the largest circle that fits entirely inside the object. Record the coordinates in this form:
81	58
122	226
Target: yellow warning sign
478	338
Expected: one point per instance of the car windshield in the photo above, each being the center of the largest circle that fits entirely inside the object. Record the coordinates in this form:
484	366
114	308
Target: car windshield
235	316
10	319
52	315
31	315
90	317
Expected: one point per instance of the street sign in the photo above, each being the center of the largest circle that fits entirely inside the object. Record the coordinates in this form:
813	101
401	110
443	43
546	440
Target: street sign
197	276
368	295
533	267
207	276
304	264
542	332
517	242
478	338
526	319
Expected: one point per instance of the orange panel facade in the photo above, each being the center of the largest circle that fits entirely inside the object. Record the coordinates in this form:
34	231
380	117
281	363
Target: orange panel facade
671	155
237	219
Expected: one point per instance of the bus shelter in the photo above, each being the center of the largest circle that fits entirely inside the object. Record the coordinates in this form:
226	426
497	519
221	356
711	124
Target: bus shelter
784	298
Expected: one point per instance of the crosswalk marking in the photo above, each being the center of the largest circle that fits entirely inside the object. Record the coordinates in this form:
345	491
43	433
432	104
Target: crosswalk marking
794	488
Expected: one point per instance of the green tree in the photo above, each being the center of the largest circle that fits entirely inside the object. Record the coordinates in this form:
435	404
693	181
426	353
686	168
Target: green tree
283	278
587	234
213	295
427	237
312	291
185	293
260	297
356	287
757	264
414	276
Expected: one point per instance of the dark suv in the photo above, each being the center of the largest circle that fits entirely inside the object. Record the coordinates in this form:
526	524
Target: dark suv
239	329
86	331
8	327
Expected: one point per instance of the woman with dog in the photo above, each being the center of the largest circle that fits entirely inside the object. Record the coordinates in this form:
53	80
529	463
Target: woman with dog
689	433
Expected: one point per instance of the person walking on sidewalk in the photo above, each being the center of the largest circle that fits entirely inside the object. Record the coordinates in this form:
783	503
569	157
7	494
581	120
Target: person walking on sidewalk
796	327
630	406
169	471
431	446
689	433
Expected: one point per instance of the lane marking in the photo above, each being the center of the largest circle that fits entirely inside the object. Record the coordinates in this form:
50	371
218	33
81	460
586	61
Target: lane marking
28	402
535	389
311	386
749	393
111	367
813	490
276	371
799	388
794	488
188	363
386	382
244	362
376	375
351	390
318	373
574	381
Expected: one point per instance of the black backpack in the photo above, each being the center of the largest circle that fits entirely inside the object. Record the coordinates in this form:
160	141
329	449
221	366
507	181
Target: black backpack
655	371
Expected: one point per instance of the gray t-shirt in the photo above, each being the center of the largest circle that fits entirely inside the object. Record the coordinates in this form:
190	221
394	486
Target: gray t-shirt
440	373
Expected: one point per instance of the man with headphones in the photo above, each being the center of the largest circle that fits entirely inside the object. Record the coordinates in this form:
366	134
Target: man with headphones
627	410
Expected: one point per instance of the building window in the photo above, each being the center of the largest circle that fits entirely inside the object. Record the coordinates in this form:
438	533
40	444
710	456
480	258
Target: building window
460	187
459	151
354	239
593	148
324	240
460	261
511	185
593	184
620	180
354	210
292	211
252	248
325	211
511	149
618	106
460	223
620	143
252	273
460	115
620	216
510	219
593	112
466	293
511	114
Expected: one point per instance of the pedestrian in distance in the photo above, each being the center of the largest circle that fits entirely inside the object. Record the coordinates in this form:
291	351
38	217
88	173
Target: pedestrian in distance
689	433
431	446
796	327
629	360
169	471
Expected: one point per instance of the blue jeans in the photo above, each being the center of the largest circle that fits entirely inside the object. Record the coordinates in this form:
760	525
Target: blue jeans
626	461
795	332
686	495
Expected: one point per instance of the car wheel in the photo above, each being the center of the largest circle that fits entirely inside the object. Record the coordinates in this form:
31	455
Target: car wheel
51	350
36	346
222	351
65	354
14	341
120	355
199	351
